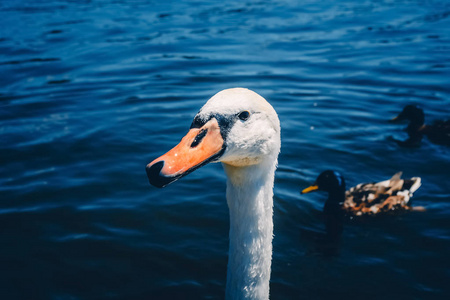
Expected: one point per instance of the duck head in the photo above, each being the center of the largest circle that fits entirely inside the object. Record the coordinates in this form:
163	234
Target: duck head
328	181
236	126
411	113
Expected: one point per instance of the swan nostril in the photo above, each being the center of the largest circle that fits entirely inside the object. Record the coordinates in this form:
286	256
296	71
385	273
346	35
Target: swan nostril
199	138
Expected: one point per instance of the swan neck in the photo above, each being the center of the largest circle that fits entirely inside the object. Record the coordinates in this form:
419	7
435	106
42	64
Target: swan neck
250	200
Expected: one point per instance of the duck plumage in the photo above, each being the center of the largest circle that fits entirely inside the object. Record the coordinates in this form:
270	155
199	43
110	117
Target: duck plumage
381	197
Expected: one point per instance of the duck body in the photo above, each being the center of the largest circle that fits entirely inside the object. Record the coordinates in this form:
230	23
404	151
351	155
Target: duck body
438	132
381	197
240	129
365	199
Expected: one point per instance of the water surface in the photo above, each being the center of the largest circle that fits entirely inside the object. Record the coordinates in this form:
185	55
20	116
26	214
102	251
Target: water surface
91	91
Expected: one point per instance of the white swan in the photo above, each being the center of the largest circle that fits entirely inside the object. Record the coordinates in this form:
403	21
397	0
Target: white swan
239	128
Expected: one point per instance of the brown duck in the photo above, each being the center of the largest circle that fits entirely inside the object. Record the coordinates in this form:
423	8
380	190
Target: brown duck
365	199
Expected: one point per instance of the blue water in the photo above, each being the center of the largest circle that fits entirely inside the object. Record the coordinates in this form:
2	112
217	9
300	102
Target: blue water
91	91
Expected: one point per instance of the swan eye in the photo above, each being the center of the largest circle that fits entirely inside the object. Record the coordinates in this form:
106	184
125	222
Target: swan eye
244	115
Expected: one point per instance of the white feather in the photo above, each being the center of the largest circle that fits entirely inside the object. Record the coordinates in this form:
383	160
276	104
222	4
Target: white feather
405	194
416	184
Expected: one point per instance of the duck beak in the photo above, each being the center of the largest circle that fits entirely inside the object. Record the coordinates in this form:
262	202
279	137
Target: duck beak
310	189
395	120
199	147
398	118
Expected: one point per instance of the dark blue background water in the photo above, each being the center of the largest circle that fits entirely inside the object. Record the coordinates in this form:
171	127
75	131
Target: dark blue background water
91	91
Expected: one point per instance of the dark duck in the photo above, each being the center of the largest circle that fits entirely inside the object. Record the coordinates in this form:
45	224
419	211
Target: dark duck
438	132
364	199
334	184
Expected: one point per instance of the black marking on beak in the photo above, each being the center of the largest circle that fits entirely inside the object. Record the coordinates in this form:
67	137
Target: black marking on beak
156	178
198	122
225	123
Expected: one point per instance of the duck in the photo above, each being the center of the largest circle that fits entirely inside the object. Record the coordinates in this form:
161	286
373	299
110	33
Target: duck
438	132
240	129
364	199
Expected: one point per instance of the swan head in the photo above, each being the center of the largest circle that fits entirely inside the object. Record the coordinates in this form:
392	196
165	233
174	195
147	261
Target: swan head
236	126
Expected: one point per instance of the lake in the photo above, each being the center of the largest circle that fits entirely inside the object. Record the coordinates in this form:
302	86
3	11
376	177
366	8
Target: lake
92	91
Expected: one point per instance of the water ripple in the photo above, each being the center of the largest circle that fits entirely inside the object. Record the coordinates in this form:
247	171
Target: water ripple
92	91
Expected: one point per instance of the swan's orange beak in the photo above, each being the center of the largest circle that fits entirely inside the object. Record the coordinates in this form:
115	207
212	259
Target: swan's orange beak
199	147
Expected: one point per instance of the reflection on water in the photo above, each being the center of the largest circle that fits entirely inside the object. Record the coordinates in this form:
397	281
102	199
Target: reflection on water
91	91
